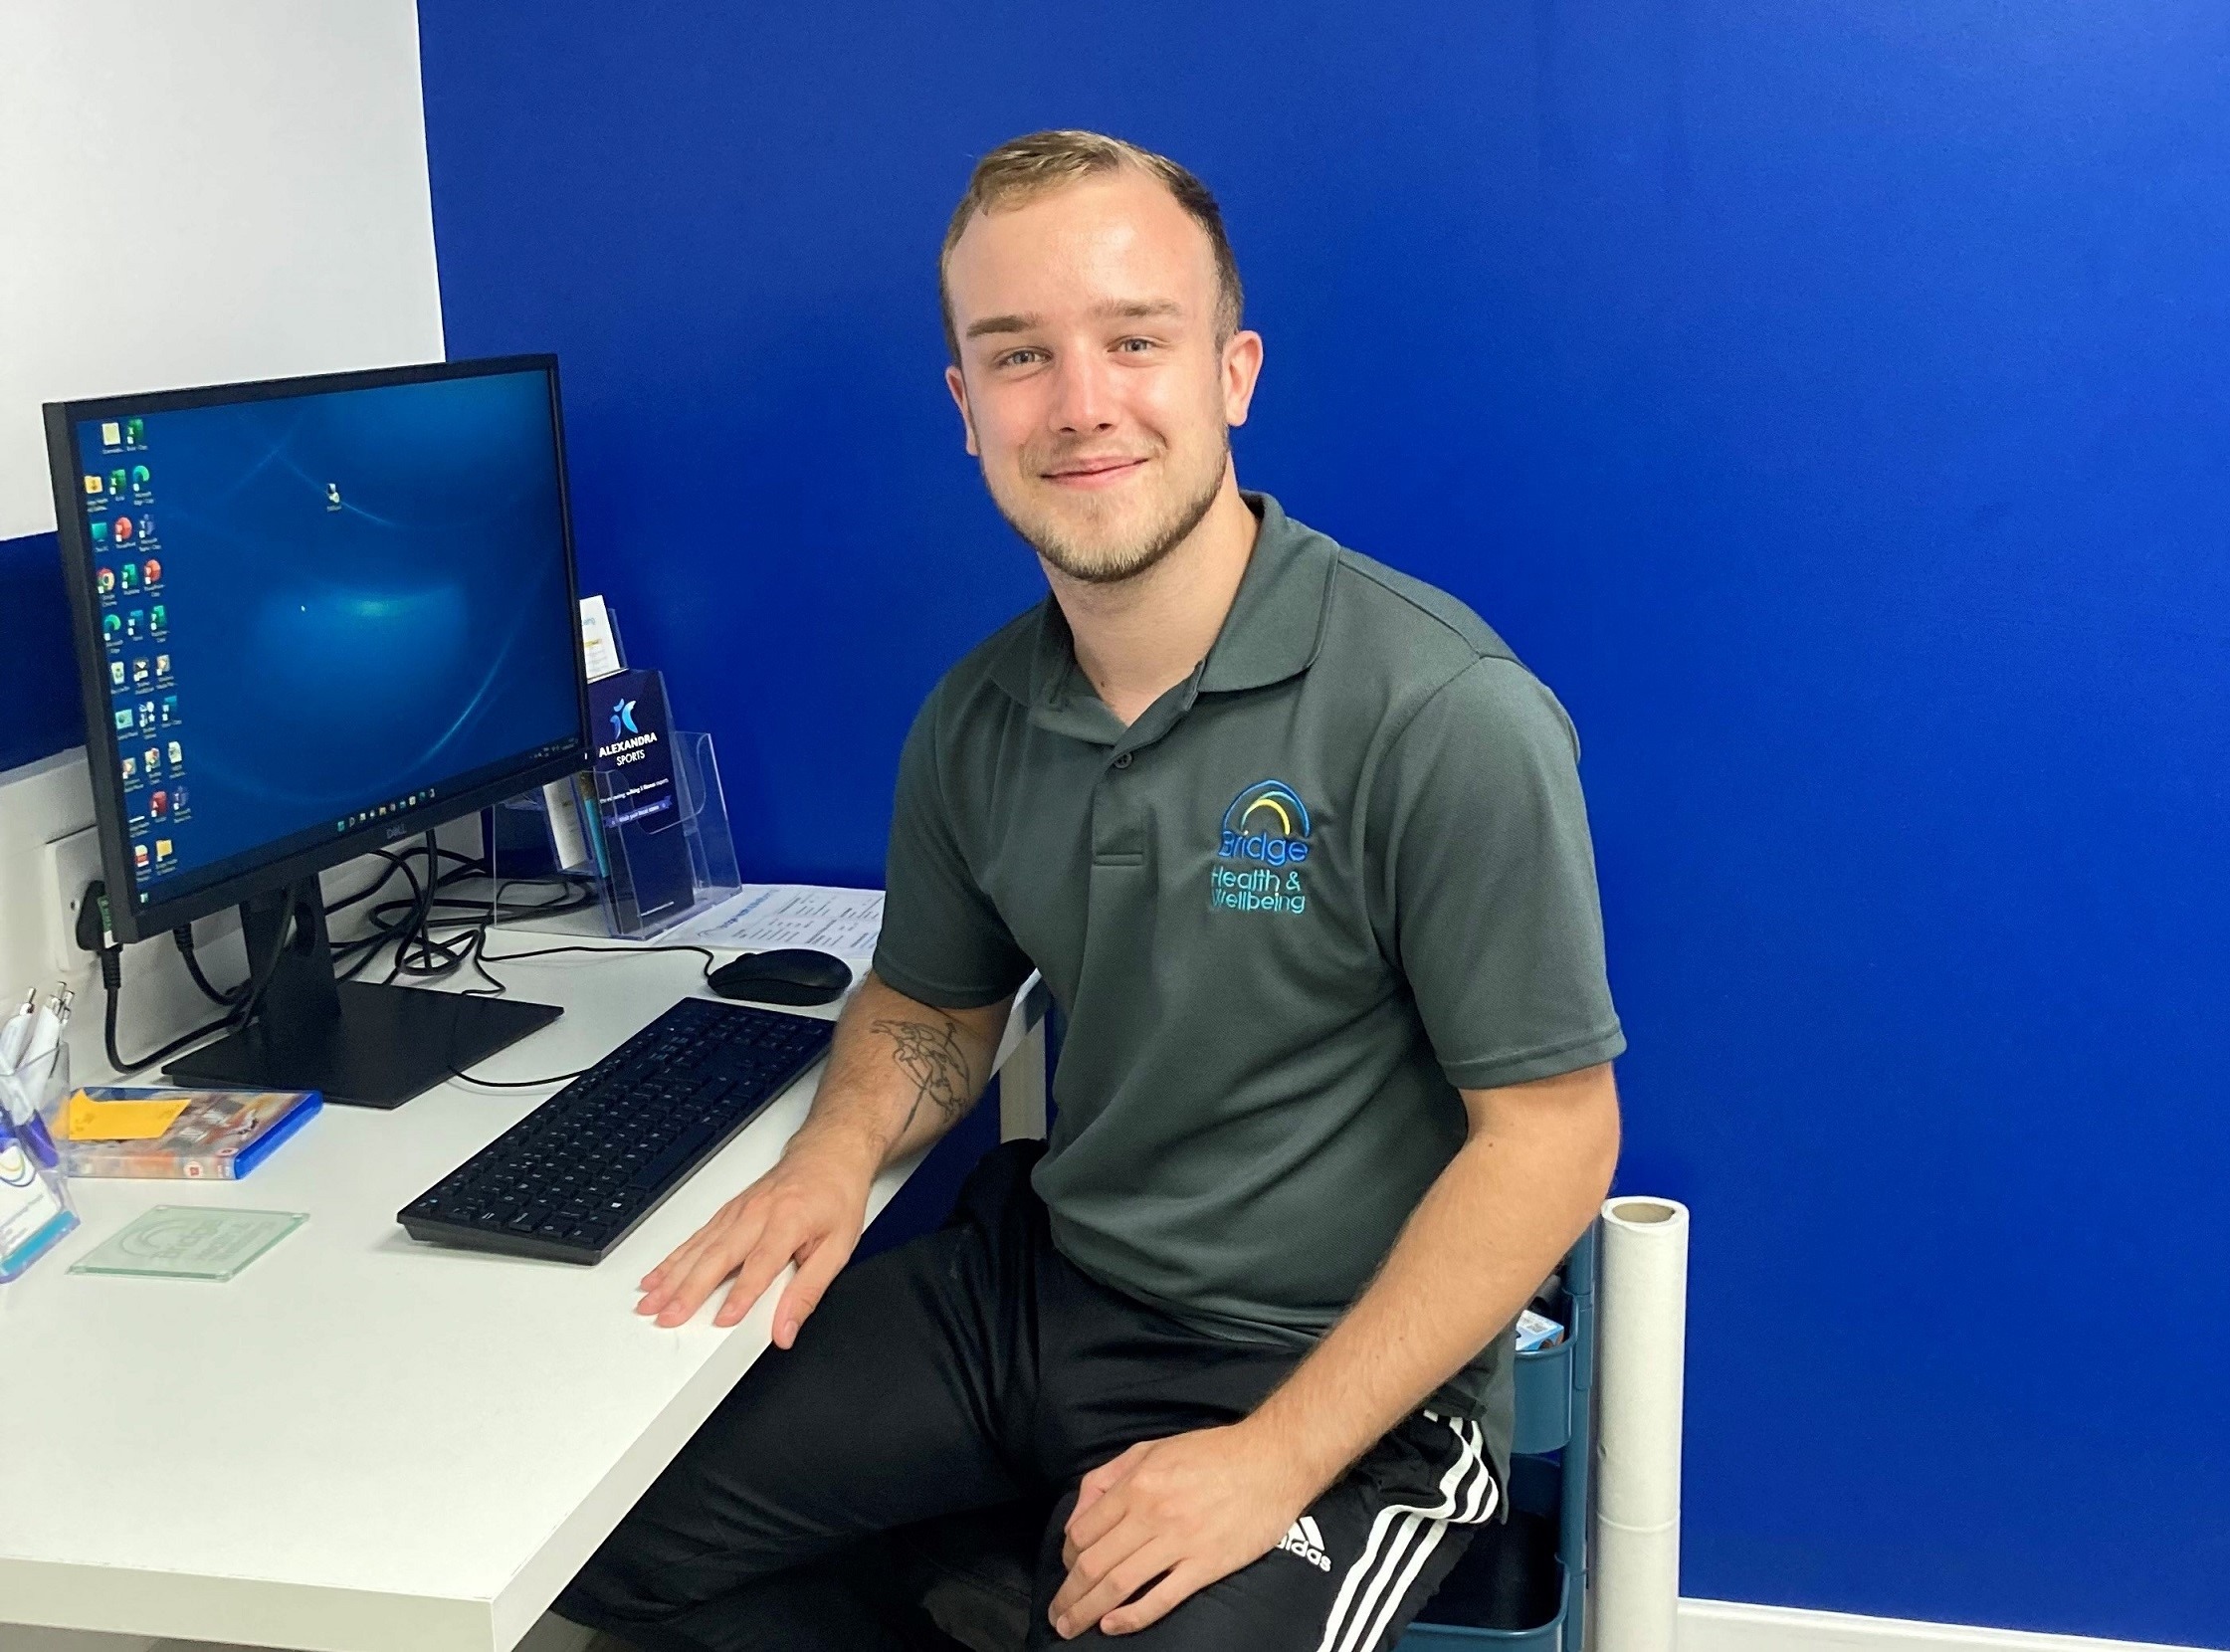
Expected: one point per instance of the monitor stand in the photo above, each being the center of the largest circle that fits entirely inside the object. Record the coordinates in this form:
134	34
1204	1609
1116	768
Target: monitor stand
359	1043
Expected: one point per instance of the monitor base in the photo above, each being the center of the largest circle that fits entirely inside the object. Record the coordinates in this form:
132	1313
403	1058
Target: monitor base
359	1043
386	1045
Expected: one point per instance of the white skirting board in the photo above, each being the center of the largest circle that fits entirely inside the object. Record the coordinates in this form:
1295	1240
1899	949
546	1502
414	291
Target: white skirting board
1731	1627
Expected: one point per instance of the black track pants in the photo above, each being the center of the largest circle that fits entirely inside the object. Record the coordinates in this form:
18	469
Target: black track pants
973	1367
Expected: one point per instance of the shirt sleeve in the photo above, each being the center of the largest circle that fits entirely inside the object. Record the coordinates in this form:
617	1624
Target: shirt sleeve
1489	877
943	941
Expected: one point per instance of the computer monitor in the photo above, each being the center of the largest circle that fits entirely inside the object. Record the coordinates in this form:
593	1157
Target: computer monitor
313	617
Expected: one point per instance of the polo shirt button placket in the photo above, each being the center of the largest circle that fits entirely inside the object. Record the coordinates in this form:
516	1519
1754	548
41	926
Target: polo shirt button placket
1123	761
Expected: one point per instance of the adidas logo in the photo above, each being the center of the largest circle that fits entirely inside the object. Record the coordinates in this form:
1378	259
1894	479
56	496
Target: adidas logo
1305	1539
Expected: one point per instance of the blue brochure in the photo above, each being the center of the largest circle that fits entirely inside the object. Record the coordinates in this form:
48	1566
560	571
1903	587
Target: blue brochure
643	848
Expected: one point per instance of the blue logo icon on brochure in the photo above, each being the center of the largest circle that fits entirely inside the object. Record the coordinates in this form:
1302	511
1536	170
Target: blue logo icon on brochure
1266	822
623	718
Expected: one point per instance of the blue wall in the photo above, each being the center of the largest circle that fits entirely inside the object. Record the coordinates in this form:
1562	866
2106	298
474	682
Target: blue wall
37	677
1828	400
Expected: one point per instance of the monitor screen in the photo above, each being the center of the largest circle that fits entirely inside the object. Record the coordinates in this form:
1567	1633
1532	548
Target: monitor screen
323	612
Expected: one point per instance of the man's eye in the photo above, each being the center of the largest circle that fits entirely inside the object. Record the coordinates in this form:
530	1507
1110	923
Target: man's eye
1136	346
1019	358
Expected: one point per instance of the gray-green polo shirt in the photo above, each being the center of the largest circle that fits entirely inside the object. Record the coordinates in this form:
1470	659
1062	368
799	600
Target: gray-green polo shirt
1339	872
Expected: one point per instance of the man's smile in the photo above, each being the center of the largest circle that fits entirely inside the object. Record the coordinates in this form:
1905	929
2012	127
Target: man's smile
1094	473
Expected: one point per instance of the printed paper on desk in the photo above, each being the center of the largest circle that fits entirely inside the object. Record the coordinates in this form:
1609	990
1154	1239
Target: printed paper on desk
759	917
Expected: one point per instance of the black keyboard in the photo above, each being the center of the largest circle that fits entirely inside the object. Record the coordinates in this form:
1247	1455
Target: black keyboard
572	1178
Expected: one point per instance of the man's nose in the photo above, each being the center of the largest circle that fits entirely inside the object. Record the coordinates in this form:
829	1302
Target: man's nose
1082	403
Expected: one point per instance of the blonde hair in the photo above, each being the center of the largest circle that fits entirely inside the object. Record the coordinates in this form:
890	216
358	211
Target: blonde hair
1025	167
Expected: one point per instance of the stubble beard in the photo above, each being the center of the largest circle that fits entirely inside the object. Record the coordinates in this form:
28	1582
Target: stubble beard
1111	565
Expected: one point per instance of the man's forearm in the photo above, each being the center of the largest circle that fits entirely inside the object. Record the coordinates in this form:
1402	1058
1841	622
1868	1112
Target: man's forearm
1487	1233
900	1074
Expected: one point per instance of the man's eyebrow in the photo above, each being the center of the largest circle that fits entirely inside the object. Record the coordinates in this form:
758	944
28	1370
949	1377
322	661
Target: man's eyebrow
1139	309
1122	310
1001	323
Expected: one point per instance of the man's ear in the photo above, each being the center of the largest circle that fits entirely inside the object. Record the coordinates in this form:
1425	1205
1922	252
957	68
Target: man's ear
954	383
1242	366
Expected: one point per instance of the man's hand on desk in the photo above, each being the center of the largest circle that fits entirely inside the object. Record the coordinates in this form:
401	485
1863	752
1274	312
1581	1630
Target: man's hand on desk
900	1074
809	1209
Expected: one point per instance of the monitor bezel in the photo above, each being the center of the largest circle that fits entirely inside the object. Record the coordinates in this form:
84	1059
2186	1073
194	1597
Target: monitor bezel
129	919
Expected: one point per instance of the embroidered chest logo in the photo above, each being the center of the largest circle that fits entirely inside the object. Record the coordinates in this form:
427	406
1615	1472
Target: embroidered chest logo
1260	850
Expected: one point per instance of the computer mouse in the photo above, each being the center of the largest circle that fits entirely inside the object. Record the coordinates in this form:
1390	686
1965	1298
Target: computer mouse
788	976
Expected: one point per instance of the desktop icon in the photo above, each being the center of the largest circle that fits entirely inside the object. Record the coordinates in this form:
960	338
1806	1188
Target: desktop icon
110	624
151	570
162	845
177	802
131	768
136	622
162	665
177	755
158	807
140	672
153	761
140	857
125	718
94	485
158	619
116	480
100	532
105	581
128	576
112	434
169	710
140	476
135	431
147	715
116	672
123	531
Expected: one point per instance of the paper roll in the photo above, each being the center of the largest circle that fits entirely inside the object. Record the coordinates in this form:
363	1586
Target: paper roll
1642	1345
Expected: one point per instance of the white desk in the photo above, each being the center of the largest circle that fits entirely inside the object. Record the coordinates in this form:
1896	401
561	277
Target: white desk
362	1443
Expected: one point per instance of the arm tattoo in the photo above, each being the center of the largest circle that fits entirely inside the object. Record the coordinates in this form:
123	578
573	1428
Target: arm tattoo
933	1057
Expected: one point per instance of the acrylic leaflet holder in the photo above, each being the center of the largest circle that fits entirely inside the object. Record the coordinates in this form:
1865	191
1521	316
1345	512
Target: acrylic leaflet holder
657	872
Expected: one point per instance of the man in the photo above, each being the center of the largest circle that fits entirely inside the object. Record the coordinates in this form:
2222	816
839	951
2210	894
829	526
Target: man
1300	851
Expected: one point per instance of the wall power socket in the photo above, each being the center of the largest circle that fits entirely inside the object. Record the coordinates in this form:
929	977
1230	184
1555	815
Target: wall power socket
73	862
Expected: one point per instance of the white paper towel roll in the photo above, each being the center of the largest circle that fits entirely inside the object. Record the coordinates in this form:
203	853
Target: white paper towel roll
1642	1343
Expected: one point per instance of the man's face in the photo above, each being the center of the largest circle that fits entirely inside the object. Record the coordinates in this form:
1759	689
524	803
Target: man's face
1091	383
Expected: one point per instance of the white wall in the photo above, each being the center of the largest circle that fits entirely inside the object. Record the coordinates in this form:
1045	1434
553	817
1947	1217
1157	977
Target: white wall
189	194
204	192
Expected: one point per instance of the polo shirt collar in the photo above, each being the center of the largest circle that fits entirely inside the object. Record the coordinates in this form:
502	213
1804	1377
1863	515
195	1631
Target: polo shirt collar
1273	631
1277	619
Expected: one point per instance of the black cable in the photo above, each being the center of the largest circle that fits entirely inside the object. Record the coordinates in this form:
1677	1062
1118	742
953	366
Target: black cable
183	939
434	960
111	985
410	923
633	952
550	951
418	905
